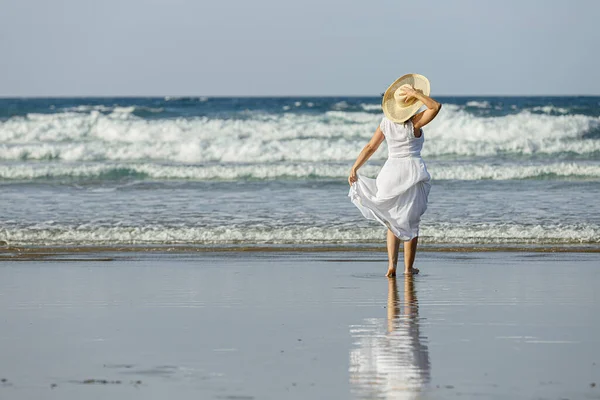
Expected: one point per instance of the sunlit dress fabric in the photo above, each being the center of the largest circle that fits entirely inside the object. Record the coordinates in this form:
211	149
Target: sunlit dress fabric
397	198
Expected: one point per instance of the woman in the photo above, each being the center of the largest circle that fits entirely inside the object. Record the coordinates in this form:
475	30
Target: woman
398	197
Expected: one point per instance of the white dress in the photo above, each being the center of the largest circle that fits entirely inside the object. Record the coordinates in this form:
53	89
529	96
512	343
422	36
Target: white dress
397	198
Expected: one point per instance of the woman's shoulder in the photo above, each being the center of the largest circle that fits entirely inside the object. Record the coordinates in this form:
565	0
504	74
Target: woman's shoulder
384	121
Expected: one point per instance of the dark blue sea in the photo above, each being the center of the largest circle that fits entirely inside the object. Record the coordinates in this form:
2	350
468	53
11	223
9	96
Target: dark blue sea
218	172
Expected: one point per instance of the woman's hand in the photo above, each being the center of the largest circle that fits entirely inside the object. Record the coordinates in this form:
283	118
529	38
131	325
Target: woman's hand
409	91
352	178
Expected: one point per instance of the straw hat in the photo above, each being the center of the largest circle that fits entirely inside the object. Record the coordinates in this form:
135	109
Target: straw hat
395	106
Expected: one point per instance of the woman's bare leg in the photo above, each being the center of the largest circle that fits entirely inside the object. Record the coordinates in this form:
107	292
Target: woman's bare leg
410	251
393	243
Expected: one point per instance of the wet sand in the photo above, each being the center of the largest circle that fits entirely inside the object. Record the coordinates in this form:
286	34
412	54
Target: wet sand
103	253
252	325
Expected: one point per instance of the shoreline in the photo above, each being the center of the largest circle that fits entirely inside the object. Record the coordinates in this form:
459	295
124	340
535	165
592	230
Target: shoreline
53	253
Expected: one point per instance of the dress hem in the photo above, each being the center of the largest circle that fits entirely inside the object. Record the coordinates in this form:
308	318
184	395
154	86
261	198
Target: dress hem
372	214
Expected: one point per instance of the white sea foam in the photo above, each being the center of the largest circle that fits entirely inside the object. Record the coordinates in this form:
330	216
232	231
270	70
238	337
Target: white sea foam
551	109
88	234
511	171
291	170
478	104
342	105
331	136
87	108
511	233
371	107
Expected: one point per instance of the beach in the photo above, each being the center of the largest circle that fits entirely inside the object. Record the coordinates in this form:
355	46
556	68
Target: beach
197	200
319	325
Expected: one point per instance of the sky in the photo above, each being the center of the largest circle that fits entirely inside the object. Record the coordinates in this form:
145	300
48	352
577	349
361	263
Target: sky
297	48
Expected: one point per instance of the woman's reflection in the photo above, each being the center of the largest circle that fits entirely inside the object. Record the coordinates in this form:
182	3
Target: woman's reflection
391	359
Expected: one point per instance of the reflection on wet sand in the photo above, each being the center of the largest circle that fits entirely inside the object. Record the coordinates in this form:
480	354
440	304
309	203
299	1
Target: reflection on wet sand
390	359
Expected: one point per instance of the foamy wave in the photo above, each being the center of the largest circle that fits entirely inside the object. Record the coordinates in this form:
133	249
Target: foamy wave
460	133
342	105
224	172
512	234
551	109
514	171
159	234
121	136
86	108
331	136
371	107
109	109
250	235
227	172
478	104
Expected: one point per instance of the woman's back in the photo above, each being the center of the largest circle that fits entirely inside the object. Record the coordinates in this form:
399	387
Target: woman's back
400	139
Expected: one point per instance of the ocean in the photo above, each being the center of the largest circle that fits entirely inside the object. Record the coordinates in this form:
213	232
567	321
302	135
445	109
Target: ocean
214	173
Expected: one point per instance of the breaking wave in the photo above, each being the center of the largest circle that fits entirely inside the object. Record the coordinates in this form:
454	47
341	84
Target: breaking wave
262	137
252	235
233	171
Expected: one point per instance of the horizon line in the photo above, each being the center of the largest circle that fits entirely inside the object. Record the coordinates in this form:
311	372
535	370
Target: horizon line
7	97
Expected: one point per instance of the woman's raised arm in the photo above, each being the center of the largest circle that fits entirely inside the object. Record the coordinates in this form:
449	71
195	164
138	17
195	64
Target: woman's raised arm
424	117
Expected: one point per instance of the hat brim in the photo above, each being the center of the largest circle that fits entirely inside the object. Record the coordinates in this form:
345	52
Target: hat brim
395	112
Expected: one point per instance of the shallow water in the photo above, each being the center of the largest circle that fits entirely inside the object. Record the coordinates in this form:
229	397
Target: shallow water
294	212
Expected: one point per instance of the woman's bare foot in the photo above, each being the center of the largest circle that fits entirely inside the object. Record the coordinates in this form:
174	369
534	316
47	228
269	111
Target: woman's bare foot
391	272
412	271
